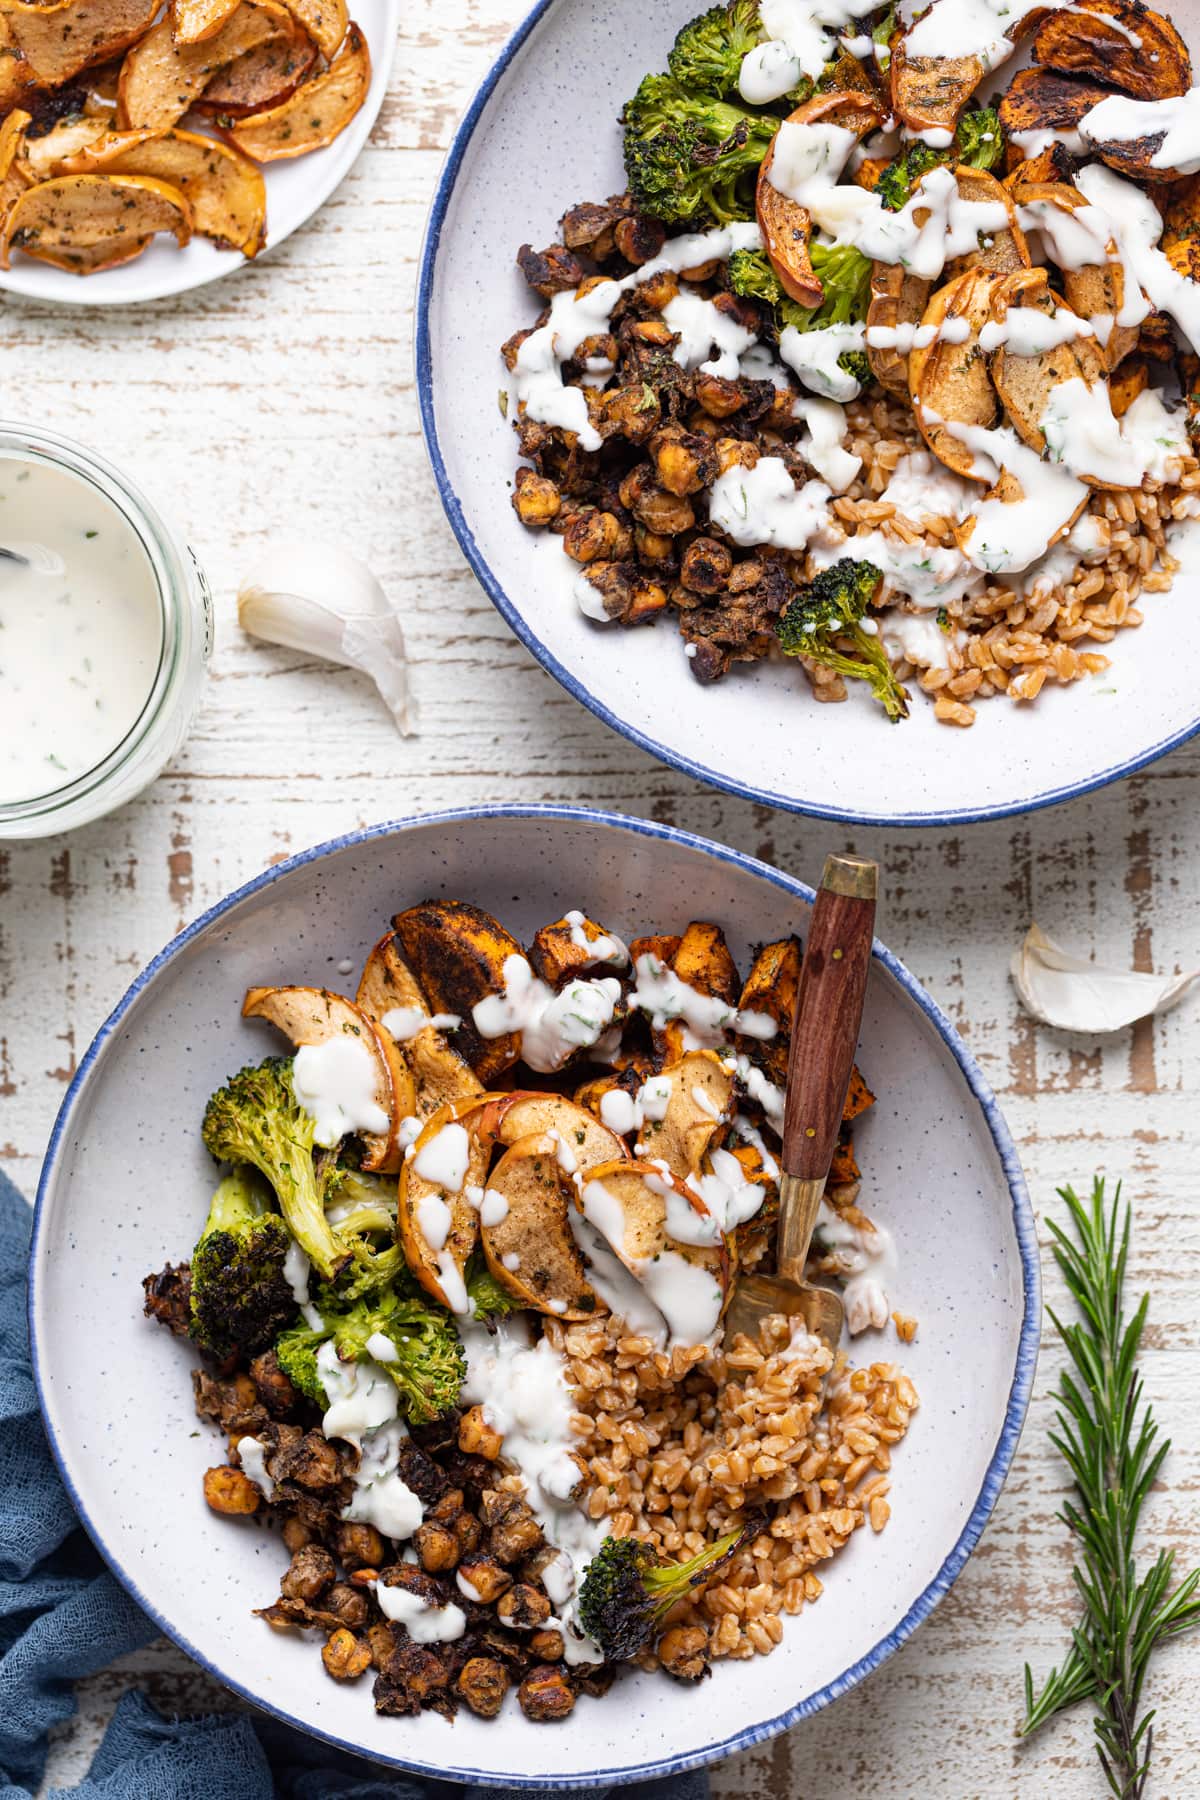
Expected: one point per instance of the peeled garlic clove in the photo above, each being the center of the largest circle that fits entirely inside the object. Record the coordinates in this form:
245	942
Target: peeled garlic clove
320	599
1067	991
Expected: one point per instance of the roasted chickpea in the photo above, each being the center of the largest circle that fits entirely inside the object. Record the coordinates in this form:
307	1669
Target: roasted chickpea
482	1578
639	239
732	451
229	1491
308	1574
706	566
536	501
593	536
475	1436
659	290
436	1546
483	1683
522	1608
683	1652
345	1656
547	1646
359	1546
546	1694
295	1534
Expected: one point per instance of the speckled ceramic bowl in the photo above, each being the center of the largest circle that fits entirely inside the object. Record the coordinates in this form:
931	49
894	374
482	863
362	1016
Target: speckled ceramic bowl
125	1186
540	135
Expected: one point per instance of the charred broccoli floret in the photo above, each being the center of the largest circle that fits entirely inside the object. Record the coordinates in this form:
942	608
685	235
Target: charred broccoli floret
978	142
415	1343
707	56
240	1295
364	1218
845	274
979	139
825	622
488	1299
255	1118
627	1591
690	158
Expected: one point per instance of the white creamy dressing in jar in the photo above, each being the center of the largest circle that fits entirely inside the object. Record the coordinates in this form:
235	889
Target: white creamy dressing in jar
335	1082
81	629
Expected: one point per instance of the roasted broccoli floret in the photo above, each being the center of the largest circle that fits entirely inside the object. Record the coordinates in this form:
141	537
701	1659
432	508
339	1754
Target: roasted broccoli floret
240	1295
978	142
626	1591
979	139
255	1118
415	1343
488	1299
825	622
296	1352
845	274
707	57
881	34
691	159
364	1217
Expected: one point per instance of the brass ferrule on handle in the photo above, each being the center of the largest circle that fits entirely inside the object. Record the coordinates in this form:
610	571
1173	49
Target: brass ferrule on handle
799	1205
855	876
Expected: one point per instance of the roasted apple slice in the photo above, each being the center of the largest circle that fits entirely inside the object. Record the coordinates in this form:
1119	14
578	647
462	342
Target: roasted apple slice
324	21
261	79
698	1097
1025	383
783	222
58	41
526	1113
42	158
84	223
666	1237
160	78
526	1234
897	298
1091	289
317	113
307	1015
194	21
435	1220
225	191
948	382
1004	251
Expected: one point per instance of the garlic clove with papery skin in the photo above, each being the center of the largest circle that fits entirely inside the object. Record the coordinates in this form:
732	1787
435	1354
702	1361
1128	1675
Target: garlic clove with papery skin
321	599
1069	992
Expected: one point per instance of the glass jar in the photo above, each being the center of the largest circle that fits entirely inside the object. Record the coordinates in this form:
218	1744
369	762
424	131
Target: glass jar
186	643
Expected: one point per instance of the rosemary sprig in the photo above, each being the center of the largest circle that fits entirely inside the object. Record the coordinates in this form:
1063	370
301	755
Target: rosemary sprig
1109	1441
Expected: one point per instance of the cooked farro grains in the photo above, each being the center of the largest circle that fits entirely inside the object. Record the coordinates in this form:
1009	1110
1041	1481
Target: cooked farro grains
1014	645
681	1445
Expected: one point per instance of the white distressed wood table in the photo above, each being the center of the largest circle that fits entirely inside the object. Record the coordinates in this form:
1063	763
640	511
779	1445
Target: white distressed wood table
282	400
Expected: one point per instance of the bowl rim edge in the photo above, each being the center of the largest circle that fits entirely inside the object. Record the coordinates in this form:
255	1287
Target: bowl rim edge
514	619
1016	1406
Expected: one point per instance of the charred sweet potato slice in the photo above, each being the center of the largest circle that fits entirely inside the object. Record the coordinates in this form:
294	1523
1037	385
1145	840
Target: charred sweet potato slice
58	41
573	947
897	298
225	191
784	224
458	954
261	79
1135	158
529	1246
307	1015
1025	383
317	113
1045	100
83	223
388	985
195	20
1126	384
1118	42
1003	251
160	78
1180	241
949	382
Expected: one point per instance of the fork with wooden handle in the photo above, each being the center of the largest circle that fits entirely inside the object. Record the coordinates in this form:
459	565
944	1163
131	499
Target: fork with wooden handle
829	1005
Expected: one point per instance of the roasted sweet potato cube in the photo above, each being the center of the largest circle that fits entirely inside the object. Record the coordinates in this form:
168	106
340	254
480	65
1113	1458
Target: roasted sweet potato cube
704	962
773	981
858	1096
844	1166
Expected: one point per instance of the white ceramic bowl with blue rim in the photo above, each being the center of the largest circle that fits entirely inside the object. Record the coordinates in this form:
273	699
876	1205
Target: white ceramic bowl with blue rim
124	1190
540	135
296	189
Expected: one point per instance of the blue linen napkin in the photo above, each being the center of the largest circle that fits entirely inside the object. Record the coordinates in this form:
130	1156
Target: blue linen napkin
64	1616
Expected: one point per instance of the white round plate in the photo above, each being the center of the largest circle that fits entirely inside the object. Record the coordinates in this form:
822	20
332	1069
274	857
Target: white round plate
540	135
125	1187
295	190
